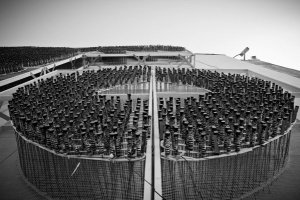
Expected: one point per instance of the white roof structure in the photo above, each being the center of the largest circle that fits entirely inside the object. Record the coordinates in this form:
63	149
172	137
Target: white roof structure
137	53
231	65
222	62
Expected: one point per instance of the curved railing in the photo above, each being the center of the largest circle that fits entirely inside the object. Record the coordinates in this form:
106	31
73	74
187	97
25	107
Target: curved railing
234	173
74	177
231	176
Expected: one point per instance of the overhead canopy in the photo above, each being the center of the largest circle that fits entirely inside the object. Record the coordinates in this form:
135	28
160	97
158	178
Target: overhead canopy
136	53
218	62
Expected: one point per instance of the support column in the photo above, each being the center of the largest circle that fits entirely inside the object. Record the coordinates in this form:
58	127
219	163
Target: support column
72	63
95	59
144	59
83	60
33	76
186	60
141	61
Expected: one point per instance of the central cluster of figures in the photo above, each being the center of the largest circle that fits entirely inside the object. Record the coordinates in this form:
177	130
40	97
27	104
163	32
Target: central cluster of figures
238	112
68	115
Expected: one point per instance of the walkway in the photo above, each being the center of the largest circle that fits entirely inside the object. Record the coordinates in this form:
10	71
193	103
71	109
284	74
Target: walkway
12	185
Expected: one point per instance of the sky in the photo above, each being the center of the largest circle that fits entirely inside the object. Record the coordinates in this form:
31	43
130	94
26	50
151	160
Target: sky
270	28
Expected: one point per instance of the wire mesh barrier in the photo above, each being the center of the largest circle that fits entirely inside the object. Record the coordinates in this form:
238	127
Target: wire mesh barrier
226	142
75	142
224	177
85	135
64	177
237	113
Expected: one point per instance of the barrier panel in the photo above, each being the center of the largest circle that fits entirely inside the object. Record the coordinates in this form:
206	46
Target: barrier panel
225	177
71	177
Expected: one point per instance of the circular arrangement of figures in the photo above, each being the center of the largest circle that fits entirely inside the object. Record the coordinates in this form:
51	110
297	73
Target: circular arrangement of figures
67	114
238	112
94	126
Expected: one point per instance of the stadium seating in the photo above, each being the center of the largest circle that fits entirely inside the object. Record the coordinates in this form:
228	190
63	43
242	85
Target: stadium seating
13	59
144	48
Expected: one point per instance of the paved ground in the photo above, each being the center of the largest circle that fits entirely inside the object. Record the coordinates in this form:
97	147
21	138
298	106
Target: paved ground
12	186
287	186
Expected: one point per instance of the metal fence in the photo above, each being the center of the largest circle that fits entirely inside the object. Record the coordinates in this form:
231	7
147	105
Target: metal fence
224	177
63	177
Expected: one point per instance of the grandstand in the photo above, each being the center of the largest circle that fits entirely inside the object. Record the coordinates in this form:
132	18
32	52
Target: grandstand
149	122
14	59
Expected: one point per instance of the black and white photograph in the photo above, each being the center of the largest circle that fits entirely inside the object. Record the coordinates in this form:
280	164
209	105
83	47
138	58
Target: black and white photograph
149	100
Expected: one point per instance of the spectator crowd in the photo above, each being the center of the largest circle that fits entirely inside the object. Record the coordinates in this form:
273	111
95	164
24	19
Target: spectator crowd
14	59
